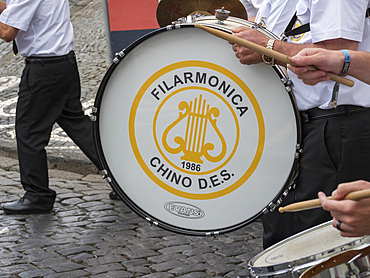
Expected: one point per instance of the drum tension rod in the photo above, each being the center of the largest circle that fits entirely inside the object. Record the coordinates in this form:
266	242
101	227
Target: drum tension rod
118	56
106	176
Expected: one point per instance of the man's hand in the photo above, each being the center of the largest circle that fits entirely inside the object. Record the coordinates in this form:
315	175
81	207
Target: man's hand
354	215
245	55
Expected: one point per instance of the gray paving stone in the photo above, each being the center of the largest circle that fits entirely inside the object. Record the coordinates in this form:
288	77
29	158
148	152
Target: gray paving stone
159	275
223	269
72	201
108	259
81	257
104	268
138	253
59	174
5	261
39	255
69	274
198	251
100	207
167	266
164	258
66	266
13	270
175	249
5	181
76	250
115	274
194	275
36	273
140	270
178	271
70	195
91	202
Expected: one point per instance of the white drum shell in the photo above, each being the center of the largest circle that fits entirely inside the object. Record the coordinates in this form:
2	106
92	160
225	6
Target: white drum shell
114	106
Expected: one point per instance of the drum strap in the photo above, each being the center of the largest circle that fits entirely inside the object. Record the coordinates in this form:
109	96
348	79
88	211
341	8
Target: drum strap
289	31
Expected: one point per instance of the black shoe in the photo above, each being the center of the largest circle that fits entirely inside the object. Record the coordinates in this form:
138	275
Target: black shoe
113	195
24	206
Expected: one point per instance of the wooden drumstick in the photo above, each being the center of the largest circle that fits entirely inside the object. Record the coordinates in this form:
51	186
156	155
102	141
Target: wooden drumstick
315	203
271	53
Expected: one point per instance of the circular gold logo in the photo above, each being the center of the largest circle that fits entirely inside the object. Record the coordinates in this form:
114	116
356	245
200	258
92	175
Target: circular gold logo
196	130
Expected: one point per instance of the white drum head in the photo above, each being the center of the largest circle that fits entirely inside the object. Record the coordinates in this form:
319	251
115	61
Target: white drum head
314	241
191	139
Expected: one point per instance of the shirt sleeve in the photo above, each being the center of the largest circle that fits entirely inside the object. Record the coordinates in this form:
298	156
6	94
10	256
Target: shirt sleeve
19	13
333	19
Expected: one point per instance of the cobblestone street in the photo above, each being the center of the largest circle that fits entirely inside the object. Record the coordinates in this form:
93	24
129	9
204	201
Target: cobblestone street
88	234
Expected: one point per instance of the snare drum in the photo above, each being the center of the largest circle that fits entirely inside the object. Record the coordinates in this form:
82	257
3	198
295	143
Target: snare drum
292	256
189	138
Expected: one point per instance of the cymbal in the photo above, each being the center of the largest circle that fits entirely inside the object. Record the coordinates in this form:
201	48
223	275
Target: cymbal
171	10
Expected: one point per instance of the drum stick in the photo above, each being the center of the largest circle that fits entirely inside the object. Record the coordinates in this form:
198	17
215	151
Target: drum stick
315	203
271	53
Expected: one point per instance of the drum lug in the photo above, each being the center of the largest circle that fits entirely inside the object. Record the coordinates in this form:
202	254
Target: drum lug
257	25
188	19
94	110
118	57
299	151
212	233
272	206
287	82
106	176
151	221
252	272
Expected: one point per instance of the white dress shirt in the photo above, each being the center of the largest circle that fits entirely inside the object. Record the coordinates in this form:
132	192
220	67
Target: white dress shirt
44	26
252	6
332	19
275	15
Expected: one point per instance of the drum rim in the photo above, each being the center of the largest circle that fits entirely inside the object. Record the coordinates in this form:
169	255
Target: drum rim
301	263
109	176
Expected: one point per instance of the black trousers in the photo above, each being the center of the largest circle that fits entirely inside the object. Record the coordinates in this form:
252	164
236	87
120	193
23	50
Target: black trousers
49	92
335	150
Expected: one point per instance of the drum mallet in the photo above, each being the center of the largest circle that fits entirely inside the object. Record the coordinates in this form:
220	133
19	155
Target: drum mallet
268	52
315	203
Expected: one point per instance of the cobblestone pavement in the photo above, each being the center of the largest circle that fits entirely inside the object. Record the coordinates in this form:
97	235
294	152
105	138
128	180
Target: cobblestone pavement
87	234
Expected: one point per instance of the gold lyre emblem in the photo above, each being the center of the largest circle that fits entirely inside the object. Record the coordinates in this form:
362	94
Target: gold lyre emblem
194	146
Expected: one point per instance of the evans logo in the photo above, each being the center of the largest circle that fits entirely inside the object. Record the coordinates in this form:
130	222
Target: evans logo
184	210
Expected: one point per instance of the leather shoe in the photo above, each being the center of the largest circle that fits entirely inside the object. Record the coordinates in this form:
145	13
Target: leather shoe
24	206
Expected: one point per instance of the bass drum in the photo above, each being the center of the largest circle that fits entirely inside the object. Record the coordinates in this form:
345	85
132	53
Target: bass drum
189	138
317	252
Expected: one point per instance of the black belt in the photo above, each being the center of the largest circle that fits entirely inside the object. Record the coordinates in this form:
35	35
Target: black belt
341	110
51	59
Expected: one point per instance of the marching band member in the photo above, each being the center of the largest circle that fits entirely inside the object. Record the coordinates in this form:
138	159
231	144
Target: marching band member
49	92
335	119
350	217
